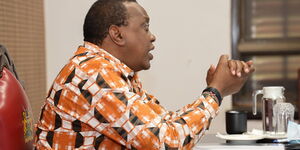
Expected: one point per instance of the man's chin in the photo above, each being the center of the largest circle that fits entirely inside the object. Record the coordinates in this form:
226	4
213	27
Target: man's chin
147	66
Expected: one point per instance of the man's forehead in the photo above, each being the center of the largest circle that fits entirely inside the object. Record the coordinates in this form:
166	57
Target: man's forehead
136	10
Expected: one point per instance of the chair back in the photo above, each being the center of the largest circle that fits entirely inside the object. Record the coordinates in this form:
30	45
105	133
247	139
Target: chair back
16	121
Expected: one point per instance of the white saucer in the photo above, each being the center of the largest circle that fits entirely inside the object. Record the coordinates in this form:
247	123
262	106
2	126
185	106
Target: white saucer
267	135
275	136
240	137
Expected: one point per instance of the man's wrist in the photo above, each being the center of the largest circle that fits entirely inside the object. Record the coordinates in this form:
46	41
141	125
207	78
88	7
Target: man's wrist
215	92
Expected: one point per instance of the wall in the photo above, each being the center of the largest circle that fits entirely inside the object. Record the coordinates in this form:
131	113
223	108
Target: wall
63	21
191	35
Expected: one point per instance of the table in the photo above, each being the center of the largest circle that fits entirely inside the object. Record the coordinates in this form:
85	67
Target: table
211	142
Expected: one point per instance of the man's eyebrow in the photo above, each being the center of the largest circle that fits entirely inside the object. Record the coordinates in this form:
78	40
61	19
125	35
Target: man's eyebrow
147	19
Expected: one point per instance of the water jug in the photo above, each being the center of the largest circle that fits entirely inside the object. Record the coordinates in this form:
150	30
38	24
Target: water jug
271	96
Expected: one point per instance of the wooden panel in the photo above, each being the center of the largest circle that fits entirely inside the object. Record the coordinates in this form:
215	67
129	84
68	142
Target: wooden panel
22	33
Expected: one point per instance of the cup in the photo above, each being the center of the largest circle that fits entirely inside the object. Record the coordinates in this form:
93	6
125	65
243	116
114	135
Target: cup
236	122
283	113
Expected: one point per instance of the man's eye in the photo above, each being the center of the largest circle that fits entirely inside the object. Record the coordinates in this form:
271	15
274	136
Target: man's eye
147	26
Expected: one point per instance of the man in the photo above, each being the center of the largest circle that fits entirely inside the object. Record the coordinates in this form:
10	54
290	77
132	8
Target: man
97	101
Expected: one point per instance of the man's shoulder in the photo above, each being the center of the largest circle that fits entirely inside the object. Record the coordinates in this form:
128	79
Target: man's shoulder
90	63
83	67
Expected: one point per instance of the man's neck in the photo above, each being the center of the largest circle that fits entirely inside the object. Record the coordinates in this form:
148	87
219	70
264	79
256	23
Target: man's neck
113	50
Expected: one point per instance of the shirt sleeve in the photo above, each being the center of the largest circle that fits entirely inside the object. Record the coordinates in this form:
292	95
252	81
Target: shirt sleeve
137	120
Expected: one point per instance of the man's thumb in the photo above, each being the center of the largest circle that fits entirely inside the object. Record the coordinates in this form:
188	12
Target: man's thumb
211	70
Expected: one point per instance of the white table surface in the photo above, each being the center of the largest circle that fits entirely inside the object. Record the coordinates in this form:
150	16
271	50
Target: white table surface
211	142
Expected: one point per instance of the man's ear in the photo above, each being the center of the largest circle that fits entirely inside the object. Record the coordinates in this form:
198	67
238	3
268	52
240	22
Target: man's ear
116	35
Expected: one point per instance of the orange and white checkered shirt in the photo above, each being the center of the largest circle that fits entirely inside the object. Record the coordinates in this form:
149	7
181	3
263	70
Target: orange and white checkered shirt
97	102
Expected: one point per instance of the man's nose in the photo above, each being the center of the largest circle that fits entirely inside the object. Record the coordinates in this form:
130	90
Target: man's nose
153	38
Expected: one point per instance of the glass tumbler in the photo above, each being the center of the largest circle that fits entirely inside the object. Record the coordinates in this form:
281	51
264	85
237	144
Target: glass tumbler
283	113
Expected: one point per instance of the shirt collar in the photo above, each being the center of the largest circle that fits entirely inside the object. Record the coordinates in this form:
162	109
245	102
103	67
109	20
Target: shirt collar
129	73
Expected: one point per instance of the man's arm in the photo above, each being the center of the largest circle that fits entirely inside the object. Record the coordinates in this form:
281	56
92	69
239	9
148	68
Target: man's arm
131	121
138	125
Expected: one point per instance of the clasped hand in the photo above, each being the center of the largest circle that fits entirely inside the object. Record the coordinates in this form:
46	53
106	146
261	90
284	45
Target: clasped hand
229	76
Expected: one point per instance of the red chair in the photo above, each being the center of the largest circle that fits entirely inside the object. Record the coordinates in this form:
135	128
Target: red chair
16	121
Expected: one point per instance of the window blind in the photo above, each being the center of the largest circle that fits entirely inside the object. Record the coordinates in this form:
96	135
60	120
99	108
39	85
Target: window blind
273	19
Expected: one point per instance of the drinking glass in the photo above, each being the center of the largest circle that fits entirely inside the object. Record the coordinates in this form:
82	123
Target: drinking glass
283	113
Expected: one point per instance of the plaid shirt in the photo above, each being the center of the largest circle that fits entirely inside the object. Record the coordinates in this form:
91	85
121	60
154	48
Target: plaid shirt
97	102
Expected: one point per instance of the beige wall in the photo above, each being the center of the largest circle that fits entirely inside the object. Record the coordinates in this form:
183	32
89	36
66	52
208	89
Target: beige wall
191	35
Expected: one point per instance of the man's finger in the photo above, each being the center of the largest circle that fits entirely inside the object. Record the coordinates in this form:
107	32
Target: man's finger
252	69
245	67
211	70
223	59
210	73
239	67
232	67
249	63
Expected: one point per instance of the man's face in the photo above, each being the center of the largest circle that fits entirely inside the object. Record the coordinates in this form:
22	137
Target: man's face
138	38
